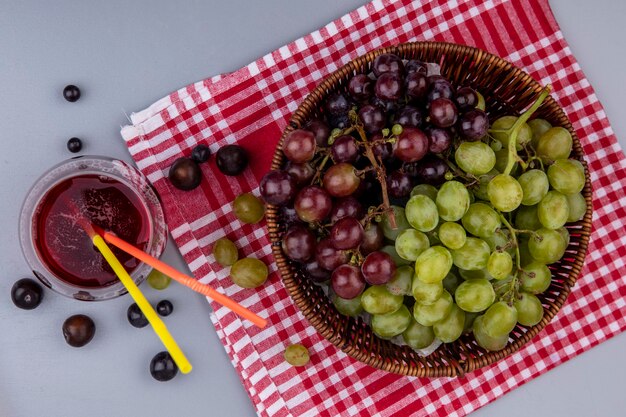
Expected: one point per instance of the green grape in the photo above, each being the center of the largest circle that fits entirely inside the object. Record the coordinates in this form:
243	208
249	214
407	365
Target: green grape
524	136
452	235
505	193
391	324
225	252
535	278
410	243
555	143
553	210
567	176
547	246
502	159
402	281
391	250
296	355
535	186
475	274
499	319
418	336
526	218
451	327
451	282
484	340
564	234
469	321
396	130
426	293
249	273
524	253
496	145
433	237
348	307
421	213
248	208
473	255
427	315
425	189
452	201
499	240
500	265
378	300
475	295
481	220
401	223
475	158
158	280
577	207
433	264
480	190
481	101
538	127
529	309
472	198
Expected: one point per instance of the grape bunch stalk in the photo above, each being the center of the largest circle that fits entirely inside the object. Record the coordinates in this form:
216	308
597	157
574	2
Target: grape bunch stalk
414	207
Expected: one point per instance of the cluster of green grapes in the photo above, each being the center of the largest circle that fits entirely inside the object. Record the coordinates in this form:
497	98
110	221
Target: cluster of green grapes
472	254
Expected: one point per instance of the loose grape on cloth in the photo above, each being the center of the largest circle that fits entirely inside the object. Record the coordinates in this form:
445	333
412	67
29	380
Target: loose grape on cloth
251	106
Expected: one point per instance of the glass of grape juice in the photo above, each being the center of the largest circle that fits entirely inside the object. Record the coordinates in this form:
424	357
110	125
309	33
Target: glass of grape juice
110	194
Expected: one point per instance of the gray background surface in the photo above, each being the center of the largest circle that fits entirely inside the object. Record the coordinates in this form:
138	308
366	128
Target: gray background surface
124	56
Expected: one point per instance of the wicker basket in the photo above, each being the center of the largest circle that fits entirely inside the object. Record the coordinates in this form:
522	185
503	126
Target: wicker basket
506	89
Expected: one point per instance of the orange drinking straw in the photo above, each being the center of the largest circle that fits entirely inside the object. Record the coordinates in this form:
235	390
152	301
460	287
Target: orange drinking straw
185	279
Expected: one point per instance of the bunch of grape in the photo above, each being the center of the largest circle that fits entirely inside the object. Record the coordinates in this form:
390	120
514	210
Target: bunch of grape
404	199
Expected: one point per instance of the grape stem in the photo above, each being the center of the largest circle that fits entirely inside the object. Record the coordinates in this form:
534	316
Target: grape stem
319	169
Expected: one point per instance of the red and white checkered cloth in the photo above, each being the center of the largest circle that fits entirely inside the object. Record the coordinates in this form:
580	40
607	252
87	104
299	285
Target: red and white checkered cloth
251	107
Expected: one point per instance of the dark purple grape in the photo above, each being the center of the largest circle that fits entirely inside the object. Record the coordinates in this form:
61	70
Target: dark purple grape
409	116
26	294
313	204
443	112
164	308
329	257
389	86
344	149
299	146
360	87
378	268
439	139
320	130
200	153
185	174
162	367
340	121
414	66
439	87
303	173
78	330
74	145
346	207
347	281
135	316
288	215
382	150
231	159
387	106
466	98
278	188
473	125
411	145
347	233
399	184
298	243
373	238
384	63
337	103
373	118
316	272
431	170
71	93
340	180
416	85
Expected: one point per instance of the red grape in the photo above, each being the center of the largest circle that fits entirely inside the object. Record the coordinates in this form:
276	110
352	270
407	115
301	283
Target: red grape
303	173
439	87
288	215
443	112
373	118
298	243
378	268
347	281
382	150
278	187
320	130
341	180
360	87
473	125
416	85
347	233
373	238
408	116
344	149
411	146
389	86
329	257
439	139
414	66
387	63
399	184
431	171
337	103
339	121
346	207
388	106
299	146
466	98
313	204
315	272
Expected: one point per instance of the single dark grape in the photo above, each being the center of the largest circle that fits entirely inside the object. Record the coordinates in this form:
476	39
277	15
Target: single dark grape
373	118
347	233
313	204
443	112
278	187
340	180
200	153
409	116
320	130
373	238
185	174
411	145
316	272
388	106
162	367
431	170
78	330
344	149
299	146
298	243
439	140
164	308
74	145
346	207
384	63
439	87
71	93
473	125
231	159
414	66
416	86
389	86
466	98
378	268
135	316
289	216
329	257
337	103
399	184
360	87
340	121
26	294
303	173
347	281
382	150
